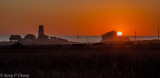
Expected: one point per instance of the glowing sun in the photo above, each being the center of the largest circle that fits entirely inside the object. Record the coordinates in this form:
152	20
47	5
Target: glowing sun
119	33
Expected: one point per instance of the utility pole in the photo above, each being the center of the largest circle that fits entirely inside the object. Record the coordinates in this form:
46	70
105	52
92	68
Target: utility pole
87	40
77	38
135	35
158	33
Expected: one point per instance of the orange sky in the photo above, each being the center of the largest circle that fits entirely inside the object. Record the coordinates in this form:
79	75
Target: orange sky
80	17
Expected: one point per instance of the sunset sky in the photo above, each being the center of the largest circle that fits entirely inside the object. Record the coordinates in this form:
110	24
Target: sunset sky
80	17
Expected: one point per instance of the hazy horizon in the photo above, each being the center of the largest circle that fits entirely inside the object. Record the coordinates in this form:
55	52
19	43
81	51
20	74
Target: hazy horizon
92	39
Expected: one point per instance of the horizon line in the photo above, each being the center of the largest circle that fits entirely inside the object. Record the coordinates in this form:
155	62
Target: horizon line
82	35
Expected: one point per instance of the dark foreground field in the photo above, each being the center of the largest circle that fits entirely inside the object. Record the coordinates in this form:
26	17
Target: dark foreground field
82	61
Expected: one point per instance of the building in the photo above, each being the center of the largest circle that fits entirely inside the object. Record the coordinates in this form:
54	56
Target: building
41	30
54	39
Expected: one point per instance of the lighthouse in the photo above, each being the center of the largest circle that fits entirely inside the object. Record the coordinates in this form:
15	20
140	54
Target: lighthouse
41	30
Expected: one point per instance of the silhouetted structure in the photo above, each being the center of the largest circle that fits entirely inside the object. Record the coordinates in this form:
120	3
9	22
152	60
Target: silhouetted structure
15	38
112	36
31	39
30	36
135	36
77	38
41	30
87	40
158	33
43	37
41	34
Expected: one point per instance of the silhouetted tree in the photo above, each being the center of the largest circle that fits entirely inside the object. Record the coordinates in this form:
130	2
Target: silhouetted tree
43	37
30	36
15	38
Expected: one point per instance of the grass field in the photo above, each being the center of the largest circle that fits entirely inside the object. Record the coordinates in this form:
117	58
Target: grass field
82	61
